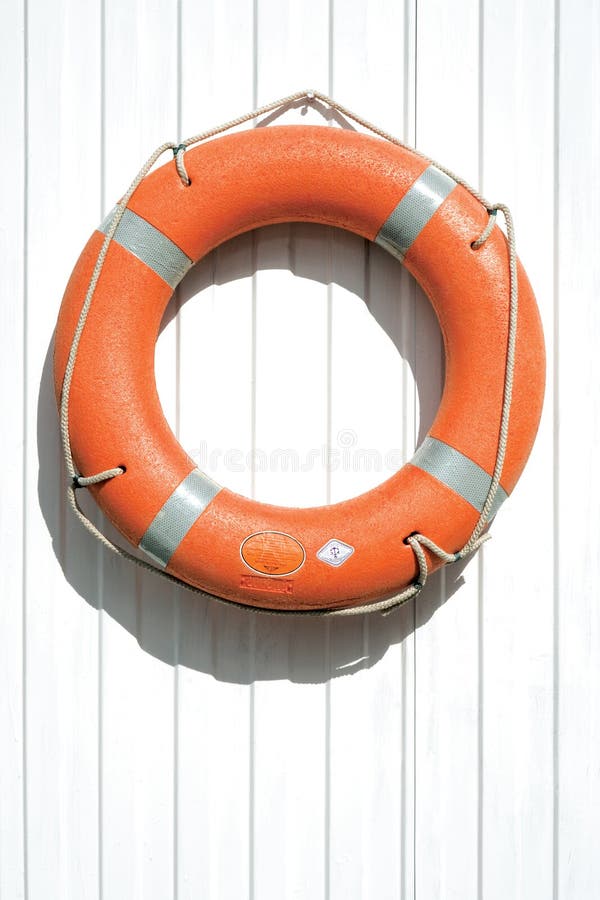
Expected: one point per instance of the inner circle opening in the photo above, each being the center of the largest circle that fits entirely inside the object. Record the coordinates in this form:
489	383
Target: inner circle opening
307	369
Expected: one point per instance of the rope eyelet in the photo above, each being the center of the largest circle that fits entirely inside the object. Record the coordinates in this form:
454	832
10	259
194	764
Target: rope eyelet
178	152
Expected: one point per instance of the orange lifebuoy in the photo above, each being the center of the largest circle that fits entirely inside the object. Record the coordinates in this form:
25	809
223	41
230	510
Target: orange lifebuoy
349	553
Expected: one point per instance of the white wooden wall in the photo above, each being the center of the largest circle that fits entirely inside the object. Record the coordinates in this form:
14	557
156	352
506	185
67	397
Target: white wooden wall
157	746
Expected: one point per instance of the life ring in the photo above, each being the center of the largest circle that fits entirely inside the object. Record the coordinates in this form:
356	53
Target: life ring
347	554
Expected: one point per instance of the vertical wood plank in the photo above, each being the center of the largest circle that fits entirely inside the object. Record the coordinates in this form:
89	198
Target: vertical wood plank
138	690
61	629
371	433
289	816
517	790
12	371
577	563
214	789
447	651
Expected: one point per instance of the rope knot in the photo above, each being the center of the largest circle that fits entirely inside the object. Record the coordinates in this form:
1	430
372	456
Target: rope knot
178	152
492	212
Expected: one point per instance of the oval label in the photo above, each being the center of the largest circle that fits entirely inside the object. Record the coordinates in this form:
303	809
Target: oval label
273	553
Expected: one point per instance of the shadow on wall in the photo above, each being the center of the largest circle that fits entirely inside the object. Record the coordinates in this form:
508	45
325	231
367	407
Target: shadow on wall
237	645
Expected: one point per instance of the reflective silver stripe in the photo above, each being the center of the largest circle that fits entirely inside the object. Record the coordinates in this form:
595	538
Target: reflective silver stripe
457	472
414	211
150	245
171	524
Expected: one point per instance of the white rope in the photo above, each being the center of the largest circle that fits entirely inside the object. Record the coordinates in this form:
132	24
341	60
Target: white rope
509	370
68	376
417	542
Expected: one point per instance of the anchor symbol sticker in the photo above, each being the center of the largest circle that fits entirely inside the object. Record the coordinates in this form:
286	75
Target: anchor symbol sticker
335	553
